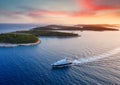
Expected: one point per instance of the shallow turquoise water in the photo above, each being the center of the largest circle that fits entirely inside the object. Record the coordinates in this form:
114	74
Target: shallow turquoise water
32	65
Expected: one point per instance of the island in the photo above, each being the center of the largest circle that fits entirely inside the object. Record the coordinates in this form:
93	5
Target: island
13	39
30	37
79	27
48	33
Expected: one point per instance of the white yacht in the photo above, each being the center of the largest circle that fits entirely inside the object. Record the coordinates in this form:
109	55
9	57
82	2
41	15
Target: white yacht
62	63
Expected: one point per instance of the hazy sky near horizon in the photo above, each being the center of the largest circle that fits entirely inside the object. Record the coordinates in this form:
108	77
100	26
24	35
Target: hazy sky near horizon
60	11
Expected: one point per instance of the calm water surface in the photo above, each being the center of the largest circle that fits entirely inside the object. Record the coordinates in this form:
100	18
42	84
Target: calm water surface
32	65
4	28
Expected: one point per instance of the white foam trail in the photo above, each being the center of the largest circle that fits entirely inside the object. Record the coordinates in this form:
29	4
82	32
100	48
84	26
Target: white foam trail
94	58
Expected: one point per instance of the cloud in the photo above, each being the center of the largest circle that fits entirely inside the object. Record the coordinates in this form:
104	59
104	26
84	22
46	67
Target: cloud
42	13
10	13
89	8
99	8
97	5
86	10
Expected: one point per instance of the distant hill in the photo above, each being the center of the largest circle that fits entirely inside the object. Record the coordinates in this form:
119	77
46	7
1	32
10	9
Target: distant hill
77	27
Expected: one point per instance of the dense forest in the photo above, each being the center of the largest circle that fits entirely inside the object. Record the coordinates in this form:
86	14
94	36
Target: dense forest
17	38
48	33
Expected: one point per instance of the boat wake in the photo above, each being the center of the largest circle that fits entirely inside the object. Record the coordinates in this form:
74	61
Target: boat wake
94	58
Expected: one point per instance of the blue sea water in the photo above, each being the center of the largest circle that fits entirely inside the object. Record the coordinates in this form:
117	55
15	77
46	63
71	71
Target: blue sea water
97	55
4	28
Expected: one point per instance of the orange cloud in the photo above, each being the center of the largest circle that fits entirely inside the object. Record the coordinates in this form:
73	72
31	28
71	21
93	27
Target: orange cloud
96	5
46	12
98	8
42	13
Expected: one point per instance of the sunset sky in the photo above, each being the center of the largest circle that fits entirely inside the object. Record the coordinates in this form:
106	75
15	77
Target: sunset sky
60	11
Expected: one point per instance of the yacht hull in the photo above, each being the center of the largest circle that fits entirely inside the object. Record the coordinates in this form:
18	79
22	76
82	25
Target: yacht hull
61	65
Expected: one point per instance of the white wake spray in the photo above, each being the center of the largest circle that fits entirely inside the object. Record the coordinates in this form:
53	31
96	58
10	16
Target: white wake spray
94	58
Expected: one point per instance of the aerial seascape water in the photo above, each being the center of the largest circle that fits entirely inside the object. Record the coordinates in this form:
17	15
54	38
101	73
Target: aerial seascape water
96	57
4	28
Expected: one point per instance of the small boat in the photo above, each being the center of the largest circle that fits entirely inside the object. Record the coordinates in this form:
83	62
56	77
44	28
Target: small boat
62	63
